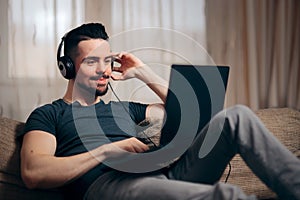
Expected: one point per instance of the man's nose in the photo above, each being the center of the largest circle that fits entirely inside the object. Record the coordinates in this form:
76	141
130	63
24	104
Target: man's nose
101	67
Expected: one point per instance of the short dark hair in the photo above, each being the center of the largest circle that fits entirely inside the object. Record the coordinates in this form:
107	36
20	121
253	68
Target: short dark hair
84	32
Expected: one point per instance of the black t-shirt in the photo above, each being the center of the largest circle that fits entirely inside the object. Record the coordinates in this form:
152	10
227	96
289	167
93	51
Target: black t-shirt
81	128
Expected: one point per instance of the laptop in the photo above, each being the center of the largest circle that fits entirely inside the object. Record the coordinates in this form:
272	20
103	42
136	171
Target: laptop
196	93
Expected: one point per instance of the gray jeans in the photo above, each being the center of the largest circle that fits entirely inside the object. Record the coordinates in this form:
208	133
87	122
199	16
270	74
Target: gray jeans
192	177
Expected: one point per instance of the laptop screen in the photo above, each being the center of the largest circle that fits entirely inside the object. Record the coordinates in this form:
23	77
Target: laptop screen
195	95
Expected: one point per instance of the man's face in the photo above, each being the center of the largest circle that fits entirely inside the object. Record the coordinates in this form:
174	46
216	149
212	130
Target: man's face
93	66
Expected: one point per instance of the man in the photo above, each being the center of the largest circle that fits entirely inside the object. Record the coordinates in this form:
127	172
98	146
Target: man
71	142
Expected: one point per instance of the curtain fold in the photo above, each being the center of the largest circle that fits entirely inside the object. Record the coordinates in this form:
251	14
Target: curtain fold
260	41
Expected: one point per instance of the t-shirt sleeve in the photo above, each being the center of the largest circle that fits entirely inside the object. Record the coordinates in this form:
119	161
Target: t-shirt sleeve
43	119
137	111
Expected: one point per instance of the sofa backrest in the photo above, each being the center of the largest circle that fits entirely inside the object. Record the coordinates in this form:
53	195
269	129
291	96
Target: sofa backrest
11	184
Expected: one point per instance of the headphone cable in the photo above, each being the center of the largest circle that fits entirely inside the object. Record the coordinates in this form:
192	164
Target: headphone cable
127	111
227	177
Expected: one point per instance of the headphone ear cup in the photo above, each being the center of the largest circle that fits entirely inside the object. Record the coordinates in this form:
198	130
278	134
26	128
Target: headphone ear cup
66	67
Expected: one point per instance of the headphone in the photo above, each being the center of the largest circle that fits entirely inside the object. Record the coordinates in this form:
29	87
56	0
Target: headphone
65	64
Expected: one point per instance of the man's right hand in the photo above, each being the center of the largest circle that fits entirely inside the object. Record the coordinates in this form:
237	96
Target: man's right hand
119	148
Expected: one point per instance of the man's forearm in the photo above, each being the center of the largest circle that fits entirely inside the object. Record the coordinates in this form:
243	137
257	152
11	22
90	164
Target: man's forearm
155	82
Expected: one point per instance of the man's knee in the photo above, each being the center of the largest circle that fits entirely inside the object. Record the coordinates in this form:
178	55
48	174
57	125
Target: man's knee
239	112
240	109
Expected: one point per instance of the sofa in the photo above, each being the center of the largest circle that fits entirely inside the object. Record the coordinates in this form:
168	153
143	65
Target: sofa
284	123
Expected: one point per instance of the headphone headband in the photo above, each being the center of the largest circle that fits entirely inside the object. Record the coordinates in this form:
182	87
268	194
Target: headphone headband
59	49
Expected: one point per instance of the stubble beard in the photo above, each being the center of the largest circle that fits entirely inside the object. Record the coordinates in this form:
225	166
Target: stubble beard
99	93
94	92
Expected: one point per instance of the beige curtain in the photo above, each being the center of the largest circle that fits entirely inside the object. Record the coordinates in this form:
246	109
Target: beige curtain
260	40
31	30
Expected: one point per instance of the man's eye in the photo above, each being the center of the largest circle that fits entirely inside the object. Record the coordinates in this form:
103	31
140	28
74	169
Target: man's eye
107	61
90	62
